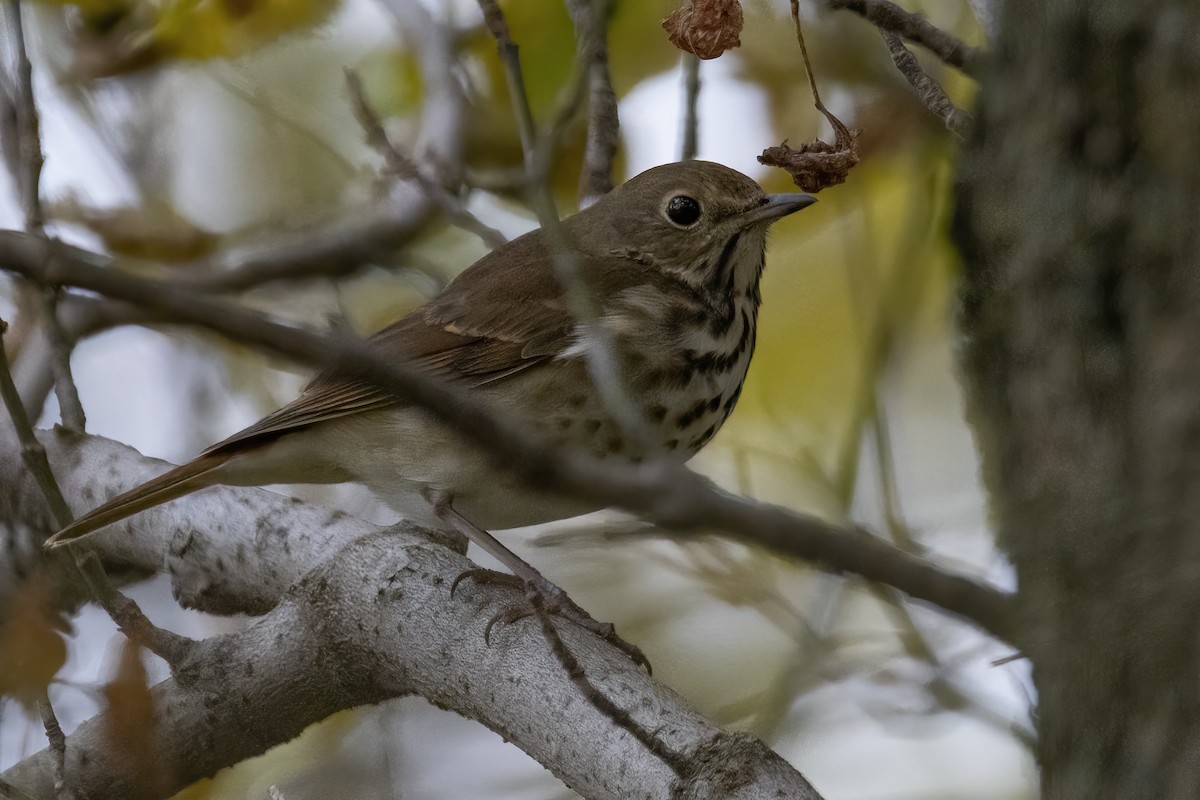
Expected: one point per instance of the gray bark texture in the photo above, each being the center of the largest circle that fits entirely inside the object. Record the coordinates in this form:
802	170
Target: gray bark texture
353	614
1077	214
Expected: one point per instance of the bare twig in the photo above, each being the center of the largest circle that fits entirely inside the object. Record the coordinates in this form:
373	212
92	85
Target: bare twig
69	405
125	612
442	112
510	57
405	167
58	749
889	17
337	248
840	130
600	351
691	101
666	493
28	179
360	236
590	18
28	131
32	452
928	90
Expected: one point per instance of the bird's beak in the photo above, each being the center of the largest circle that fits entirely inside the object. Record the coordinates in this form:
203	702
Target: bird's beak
778	206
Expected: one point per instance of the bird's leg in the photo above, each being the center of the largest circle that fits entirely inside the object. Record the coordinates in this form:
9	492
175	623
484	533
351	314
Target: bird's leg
525	577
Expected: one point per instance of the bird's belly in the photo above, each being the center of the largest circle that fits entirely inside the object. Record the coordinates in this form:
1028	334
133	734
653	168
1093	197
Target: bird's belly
411	453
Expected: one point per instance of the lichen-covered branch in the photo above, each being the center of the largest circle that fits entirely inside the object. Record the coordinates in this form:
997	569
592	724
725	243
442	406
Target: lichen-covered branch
368	616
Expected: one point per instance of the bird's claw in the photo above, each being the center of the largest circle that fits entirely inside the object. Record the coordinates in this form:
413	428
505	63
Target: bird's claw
542	594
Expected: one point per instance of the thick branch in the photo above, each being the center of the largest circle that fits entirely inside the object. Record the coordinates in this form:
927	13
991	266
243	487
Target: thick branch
665	493
374	620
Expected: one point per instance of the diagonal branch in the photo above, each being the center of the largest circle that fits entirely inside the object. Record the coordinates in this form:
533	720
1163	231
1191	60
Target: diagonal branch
665	493
888	16
928	90
600	351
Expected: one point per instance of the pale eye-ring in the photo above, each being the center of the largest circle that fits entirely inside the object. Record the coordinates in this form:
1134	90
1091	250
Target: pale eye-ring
683	210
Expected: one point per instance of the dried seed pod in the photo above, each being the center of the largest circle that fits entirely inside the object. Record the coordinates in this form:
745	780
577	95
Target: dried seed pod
705	28
816	165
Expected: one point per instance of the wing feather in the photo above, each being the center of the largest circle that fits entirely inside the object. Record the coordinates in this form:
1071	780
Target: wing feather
500	317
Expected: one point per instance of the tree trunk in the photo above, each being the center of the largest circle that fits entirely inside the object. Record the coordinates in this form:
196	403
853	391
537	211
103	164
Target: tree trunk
1078	216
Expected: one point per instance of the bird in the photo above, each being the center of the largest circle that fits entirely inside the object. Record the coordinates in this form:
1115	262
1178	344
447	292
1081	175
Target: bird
672	259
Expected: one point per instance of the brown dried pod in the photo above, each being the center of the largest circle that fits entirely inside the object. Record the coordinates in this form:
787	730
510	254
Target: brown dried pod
705	28
816	165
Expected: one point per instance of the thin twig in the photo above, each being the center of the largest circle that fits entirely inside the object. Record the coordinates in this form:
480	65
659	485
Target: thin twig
494	19
58	749
842	133
28	127
928	90
888	16
69	406
32	451
337	248
29	177
600	349
664	492
569	103
125	612
368	234
405	167
691	102
590	18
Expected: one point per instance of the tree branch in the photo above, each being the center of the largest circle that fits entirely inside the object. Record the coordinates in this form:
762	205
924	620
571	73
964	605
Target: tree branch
57	750
600	351
888	16
28	169
928	90
665	493
124	612
371	619
346	243
590	18
691	103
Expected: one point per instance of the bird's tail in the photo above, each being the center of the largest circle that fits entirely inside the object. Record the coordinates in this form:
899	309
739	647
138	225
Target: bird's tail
174	483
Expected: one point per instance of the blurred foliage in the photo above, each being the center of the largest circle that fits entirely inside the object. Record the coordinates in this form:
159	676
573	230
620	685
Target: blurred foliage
132	722
32	648
119	36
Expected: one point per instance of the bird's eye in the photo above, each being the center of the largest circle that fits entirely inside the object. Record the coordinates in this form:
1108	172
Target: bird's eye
683	210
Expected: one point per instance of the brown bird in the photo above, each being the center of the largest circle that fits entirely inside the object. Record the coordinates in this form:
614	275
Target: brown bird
673	260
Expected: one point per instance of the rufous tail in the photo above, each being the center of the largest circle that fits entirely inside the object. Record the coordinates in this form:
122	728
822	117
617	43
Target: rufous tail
174	483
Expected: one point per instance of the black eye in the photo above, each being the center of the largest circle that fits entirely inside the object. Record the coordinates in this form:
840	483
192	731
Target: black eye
683	210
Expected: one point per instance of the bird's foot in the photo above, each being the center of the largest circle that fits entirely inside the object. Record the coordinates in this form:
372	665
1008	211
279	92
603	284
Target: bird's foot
541	595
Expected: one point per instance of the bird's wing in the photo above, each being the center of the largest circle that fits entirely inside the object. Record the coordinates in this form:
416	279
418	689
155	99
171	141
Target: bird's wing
501	316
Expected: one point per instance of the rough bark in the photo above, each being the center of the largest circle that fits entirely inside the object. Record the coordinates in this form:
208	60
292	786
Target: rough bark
357	614
1081	314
